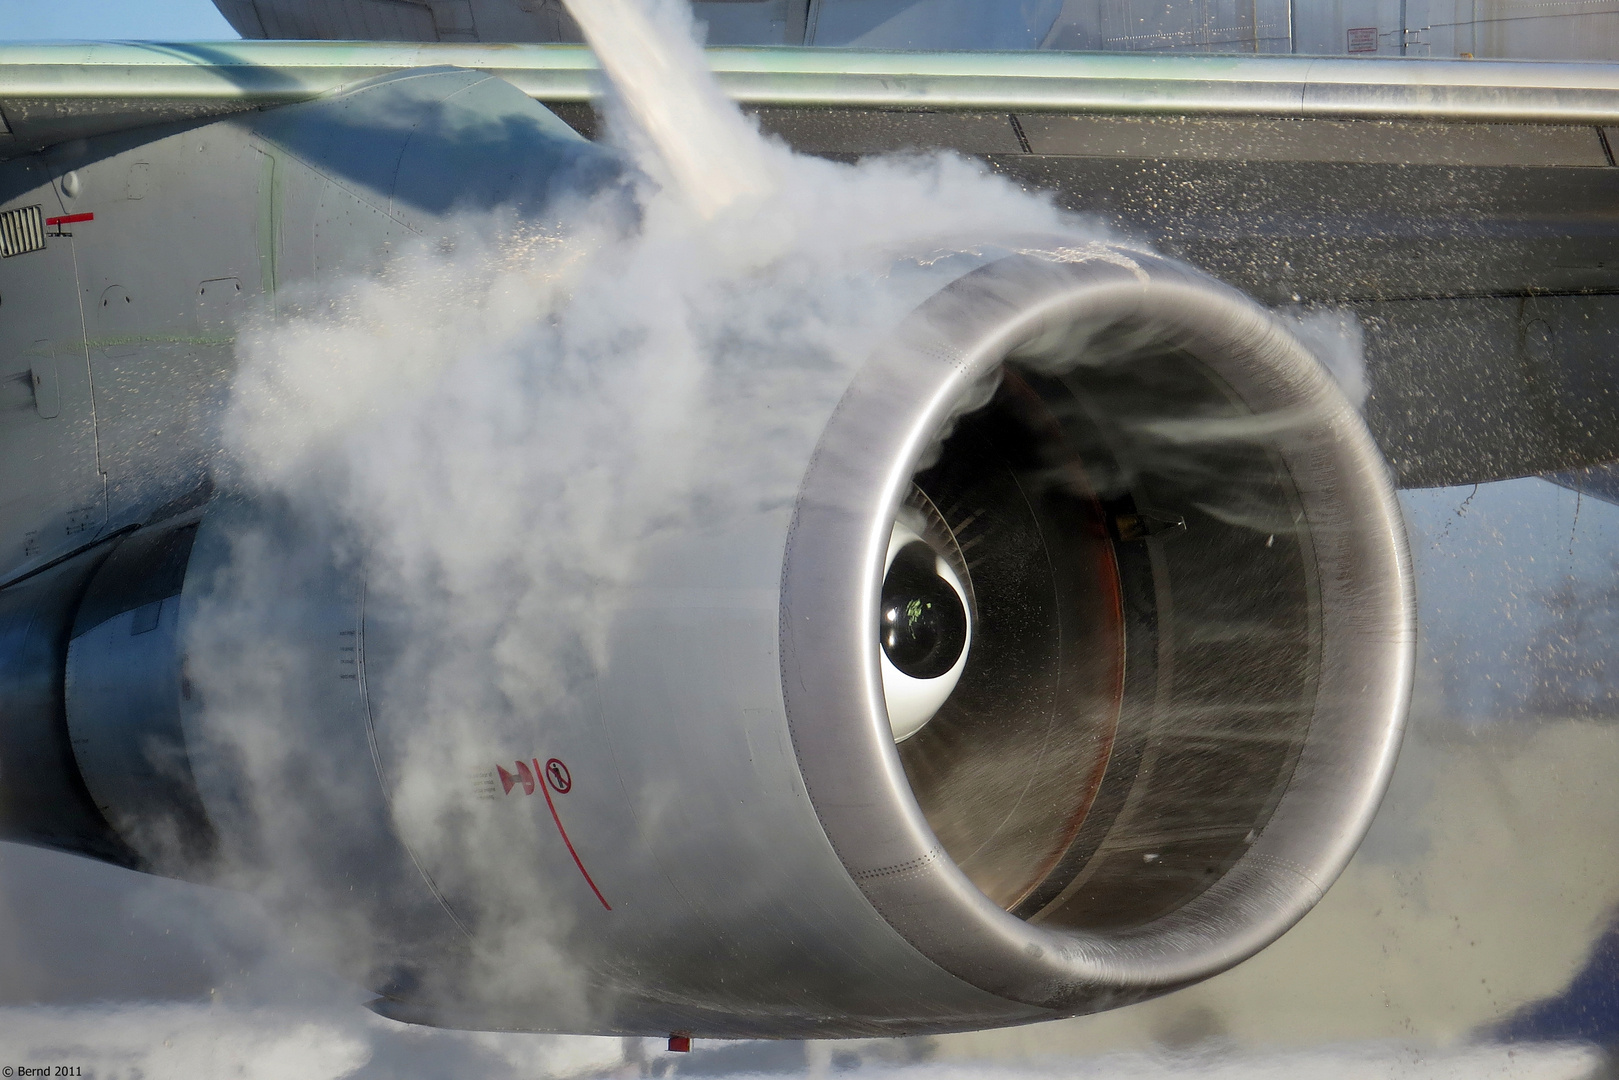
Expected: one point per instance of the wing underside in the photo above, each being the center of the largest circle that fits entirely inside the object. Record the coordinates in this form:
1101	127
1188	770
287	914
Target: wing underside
1462	211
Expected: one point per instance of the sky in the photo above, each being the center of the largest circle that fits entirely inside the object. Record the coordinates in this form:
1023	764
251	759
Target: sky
112	20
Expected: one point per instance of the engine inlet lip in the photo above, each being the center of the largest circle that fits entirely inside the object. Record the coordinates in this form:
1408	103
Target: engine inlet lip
891	415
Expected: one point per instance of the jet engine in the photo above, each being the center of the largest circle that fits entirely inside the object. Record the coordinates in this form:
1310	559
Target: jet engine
1174	570
1072	674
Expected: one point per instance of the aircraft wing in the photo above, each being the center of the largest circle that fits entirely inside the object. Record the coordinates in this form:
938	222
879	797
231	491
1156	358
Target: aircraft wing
1461	209
55	91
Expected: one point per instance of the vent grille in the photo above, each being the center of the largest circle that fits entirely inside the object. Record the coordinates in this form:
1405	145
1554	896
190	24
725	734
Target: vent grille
21	231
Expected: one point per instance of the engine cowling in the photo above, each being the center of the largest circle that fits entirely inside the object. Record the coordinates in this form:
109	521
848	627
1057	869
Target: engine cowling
1193	642
1074	674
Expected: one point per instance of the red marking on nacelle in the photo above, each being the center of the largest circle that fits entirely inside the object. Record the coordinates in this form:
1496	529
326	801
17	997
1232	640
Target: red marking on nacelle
545	789
524	776
69	219
557	773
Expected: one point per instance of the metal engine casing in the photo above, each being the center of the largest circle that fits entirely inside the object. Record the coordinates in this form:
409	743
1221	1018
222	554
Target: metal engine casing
737	849
757	864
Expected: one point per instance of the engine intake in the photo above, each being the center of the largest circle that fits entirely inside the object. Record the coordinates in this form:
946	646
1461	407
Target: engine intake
1191	641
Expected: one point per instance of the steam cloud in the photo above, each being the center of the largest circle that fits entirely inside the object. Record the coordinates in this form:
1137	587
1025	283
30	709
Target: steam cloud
494	429
1337	339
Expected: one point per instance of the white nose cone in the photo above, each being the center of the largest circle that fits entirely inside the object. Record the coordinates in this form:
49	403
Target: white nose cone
912	701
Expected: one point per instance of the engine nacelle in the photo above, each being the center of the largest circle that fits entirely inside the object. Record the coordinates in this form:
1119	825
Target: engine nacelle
1073	676
1193	641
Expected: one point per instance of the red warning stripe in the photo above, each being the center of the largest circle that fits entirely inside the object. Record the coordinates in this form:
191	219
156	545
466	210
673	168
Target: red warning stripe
69	219
546	789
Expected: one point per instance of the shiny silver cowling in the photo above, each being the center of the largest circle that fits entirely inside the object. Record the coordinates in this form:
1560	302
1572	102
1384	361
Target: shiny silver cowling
1074	674
1193	639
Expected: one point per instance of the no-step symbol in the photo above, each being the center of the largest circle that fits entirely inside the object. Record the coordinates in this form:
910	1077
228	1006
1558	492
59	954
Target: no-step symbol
557	773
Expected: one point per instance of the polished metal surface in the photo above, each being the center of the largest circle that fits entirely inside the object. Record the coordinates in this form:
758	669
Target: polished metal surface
43	799
1049	315
52	92
123	687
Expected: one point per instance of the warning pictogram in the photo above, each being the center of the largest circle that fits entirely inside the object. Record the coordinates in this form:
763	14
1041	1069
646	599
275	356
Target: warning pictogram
557	773
523	776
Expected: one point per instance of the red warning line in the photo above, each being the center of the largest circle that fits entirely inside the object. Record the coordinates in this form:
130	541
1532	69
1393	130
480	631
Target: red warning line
551	806
69	219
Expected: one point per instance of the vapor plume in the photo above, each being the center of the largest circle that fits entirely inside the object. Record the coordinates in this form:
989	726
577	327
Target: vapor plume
482	445
660	76
484	442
